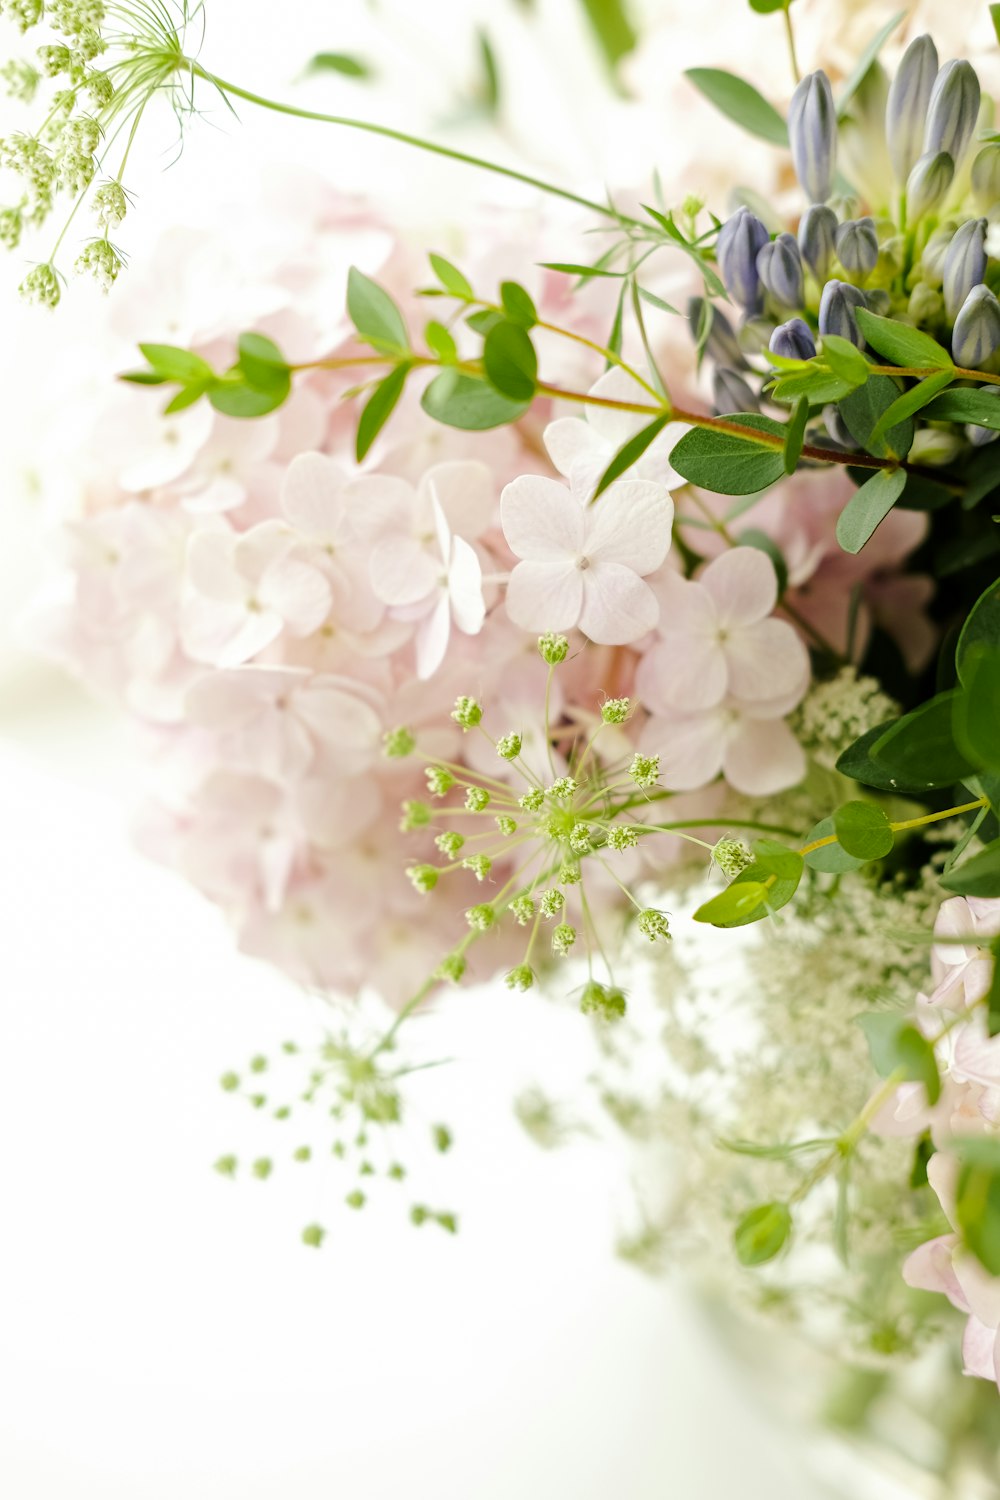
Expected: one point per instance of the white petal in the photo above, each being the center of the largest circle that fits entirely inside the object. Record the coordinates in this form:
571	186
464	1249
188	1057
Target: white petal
466	492
259	548
210	566
299	594
630	524
979	1350
545	595
226	635
572	442
402	571
614	425
432	638
226	701
465	588
618	606
743	584
766	660
690	748
541	519
682	674
312	498
763	756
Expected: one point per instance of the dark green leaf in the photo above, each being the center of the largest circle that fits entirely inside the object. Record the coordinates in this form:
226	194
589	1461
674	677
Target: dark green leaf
900	343
977	707
981	628
831	859
612	27
171	363
846	362
861	411
868	508
461	401
856	762
762	1233
922	1154
517	304
865	61
375	315
378	408
510	361
629	452
768	7
819	385
339	62
795	434
263	365
978	876
863	830
451	278
964	404
919	750
728	464
909	403
740	101
993	994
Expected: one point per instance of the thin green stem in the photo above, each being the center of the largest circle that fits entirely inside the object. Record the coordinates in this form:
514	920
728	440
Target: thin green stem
790	34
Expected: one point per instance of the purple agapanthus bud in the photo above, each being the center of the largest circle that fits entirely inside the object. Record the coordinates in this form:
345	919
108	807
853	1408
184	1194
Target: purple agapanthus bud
953	110
986	177
857	246
837	427
812	133
976	335
817	233
907	105
928	182
740	241
838	311
793	340
722	345
964	264
779	266
980	436
730	392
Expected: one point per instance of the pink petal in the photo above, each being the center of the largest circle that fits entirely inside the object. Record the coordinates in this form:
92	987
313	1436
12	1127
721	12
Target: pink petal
432	638
980	1289
766	660
743	584
630	524
261	547
929	1269
312	499
210	566
545	595
690	749
618	606
339	720
763	756
466	492
226	701
979	1350
227	635
402	572
682	674
299	594
541	520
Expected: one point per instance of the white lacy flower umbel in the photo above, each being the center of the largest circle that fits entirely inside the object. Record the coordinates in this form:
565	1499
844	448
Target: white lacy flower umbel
585	564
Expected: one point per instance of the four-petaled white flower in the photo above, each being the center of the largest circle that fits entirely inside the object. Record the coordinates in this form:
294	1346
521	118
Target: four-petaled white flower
582	447
585	565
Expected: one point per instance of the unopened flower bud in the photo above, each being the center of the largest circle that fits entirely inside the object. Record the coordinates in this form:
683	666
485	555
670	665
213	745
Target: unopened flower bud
452	968
653	925
976	336
953	110
450	844
553	648
506	825
740	240
732	856
563	938
622	837
41	286
730	392
479	864
812	132
928	182
721	345
564	786
439	780
645	769
520	978
857	246
615	710
980	436
779	266
467	712
907	106
477	799
580	838
551	902
838	311
397	743
423	877
480	918
935	446
986	177
522	909
509	746
837	428
531	800
964	264
934	252
817	233
313	1235
606	1001
793	340
415	815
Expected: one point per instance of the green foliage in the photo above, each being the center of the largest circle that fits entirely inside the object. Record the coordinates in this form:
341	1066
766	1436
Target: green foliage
612	27
374	314
768	7
741	102
981	629
896	1046
379	407
440	342
451	278
919	750
868	508
978	876
489	87
344	63
731	907
964	404
517	304
909	403
844	360
762	1233
629	452
462	401
766	885
863	830
902	344
831	859
976	716
995	18
861	411
729	464
795	435
977	1198
864	62
510	361
168	363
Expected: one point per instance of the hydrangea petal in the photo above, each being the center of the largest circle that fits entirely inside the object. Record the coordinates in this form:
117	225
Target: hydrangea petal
545	595
541	519
766	660
618	606
630	524
743	584
763	756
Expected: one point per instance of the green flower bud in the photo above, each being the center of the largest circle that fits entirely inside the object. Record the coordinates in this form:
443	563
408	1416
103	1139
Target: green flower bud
645	769
531	801
615	710
520	978
622	838
397	743
479	864
553	648
986	177
928	182
563	938
467	712
607	1002
449	844
415	815
423	877
480	918
439	780
522	910
732	856
509	746
506	825
654	925
477	799
313	1235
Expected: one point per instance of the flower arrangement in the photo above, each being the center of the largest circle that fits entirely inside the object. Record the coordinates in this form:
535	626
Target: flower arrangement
482	633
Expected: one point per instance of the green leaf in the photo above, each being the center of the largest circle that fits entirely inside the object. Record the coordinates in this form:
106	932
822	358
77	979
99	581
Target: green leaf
995	18
795	434
187	396
844	360
909	403
762	1233
234	398
263	365
629	452
981	628
831	859
375	315
340	62
655	301
978	876
868	508
900	343
728	464
489	90
462	401
819	385
993	994
740	101
964	404
171	363
772	880
779	1152
571	268
612	27
977	1199
451	278
378	408
481	322
143	377
517	304
440	341
768	7
863	830
897	1046
976	720
865	61
510	361
861	411
919	750
733	905
856	762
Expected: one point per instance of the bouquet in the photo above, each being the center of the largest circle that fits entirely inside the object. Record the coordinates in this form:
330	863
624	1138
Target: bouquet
548	611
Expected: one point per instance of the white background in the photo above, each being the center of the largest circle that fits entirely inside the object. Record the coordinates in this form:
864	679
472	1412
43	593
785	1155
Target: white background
164	1335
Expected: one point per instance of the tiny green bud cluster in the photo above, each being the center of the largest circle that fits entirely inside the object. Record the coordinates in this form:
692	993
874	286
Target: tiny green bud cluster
645	770
398	743
509	746
732	856
615	710
467	713
654	925
553	649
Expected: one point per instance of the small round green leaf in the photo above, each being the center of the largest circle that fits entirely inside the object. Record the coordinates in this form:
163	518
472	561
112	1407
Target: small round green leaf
762	1233
517	304
510	361
863	830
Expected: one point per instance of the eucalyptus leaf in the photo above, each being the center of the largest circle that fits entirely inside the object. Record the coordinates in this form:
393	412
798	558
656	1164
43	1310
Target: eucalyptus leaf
863	830
978	876
451	278
981	628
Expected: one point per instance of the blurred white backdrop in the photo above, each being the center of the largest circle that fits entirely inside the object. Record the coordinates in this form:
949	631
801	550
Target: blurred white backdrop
165	1334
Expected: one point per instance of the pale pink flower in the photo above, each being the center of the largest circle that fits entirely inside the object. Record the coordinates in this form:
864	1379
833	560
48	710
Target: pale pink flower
719	639
750	744
244	590
585	565
229	464
582	447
